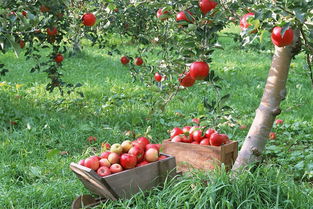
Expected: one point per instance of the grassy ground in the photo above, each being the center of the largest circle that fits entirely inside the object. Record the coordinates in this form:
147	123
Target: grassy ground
36	175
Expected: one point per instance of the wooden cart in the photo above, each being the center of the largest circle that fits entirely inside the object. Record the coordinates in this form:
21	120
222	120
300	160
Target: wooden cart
124	184
194	156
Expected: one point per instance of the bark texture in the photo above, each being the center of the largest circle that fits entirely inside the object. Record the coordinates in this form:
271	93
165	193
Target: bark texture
274	93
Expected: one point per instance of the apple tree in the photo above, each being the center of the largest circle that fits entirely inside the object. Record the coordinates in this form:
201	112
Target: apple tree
290	24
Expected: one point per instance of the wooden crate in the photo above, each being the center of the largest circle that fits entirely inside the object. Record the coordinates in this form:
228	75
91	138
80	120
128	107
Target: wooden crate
128	182
195	156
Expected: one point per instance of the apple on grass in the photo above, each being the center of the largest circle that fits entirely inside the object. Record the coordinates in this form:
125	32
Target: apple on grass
103	171
115	168
117	148
113	158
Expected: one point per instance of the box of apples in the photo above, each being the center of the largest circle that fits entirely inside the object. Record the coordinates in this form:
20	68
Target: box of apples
125	169
200	148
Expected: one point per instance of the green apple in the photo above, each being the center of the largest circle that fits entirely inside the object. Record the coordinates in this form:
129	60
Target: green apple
117	148
126	145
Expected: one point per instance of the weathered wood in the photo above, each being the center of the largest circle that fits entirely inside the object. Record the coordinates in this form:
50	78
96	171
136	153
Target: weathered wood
92	181
194	156
128	182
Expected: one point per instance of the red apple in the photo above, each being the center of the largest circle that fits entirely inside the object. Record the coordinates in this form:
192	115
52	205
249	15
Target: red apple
113	158
216	139
199	70
187	138
206	6
135	143
117	148
197	135
279	122
89	19
115	168
162	14
22	44
24	13
209	132
58	58
103	171
272	136
196	120
162	157
142	163
128	161
178	138
158	77
138	61
152	155
195	142
205	141
176	131
124	60
186	129
52	31
138	152
225	138
126	145
143	140
105	155
282	40
92	163
186	80
155	146
244	20
81	162
181	16
105	162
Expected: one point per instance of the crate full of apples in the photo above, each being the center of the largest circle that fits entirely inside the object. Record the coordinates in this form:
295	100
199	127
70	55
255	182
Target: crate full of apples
196	147
125	169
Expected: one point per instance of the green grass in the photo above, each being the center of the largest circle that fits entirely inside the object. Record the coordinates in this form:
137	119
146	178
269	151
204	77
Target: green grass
35	175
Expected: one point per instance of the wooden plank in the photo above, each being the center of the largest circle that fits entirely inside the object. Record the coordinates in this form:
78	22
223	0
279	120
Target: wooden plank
132	181
91	181
190	156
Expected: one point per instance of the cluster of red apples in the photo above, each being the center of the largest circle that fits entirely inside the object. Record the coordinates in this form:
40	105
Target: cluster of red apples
87	19
279	38
125	60
197	135
129	154
198	70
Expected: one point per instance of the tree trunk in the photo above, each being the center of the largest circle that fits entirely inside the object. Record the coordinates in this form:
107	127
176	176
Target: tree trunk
274	93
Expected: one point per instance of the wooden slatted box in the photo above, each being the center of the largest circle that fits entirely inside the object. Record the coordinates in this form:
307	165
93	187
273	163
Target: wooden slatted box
128	182
194	156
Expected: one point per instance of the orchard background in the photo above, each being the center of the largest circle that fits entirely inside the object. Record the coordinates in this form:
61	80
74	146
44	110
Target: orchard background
62	81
